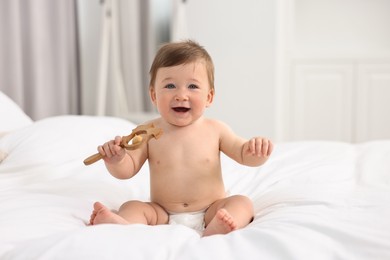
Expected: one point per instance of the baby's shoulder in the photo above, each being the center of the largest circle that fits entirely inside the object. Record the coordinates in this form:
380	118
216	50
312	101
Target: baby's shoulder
216	124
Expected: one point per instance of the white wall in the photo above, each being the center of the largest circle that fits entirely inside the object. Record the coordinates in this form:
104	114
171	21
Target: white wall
253	44
338	61
240	37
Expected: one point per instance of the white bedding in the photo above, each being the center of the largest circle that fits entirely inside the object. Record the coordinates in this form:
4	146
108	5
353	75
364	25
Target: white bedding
313	200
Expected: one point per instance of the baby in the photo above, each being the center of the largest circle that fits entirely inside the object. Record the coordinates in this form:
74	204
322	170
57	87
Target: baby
186	183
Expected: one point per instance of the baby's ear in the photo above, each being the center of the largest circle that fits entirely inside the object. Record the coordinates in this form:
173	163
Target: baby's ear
210	97
152	94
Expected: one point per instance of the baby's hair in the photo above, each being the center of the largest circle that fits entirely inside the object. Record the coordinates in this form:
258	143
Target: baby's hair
177	53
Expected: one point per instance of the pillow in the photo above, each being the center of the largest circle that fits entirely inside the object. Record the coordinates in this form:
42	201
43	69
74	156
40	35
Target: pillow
11	115
52	139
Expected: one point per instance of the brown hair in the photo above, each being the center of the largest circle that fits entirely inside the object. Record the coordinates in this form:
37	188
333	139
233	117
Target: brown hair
177	53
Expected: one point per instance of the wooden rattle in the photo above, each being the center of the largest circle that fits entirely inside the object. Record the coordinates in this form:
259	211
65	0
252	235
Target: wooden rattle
148	131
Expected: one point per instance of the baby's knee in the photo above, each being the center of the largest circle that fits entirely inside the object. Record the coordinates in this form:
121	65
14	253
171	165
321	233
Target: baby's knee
132	204
241	198
244	201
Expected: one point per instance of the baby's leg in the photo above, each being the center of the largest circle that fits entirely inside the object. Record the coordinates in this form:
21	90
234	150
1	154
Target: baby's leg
228	214
143	213
101	215
131	212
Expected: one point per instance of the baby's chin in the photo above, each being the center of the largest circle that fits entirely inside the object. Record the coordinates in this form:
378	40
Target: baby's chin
182	122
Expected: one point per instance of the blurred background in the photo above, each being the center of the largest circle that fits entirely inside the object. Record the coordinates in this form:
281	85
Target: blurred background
286	69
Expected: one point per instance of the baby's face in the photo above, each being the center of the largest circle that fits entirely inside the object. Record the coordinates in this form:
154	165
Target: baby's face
182	93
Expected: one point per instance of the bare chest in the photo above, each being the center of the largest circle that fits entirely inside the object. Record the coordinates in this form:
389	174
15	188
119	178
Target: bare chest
189	152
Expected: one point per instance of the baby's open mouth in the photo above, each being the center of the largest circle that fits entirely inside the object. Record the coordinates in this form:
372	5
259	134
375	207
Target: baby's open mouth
181	109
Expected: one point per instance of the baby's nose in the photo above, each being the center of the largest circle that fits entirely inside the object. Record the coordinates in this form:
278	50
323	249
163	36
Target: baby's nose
181	96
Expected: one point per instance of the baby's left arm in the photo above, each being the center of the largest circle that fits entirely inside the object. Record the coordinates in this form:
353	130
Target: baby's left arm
253	152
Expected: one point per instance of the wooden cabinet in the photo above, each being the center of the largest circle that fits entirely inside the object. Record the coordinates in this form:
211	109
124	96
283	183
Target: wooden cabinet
334	59
372	102
321	101
344	101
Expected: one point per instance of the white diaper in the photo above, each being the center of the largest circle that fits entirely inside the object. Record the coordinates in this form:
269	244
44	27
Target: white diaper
194	220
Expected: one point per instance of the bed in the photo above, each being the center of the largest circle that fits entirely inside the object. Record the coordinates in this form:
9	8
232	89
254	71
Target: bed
313	199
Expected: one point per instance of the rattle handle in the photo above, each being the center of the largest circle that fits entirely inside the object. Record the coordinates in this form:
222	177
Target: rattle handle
92	159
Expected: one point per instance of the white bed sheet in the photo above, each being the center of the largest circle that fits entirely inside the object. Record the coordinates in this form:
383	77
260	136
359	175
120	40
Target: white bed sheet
313	200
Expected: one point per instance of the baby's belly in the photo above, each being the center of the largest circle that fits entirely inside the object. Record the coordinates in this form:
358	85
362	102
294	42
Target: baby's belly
186	188
186	200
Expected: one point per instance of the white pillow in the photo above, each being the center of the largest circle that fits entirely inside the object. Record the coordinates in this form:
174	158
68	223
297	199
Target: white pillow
11	115
61	138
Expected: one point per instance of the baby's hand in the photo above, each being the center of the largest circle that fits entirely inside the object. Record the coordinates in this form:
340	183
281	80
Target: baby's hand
111	151
259	146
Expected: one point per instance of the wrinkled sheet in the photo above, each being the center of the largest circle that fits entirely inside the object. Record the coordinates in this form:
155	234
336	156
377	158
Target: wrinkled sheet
313	200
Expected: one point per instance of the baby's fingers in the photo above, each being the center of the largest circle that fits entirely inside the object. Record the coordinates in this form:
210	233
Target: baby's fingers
255	146
106	150
263	146
260	147
270	147
117	140
266	147
110	148
252	146
101	150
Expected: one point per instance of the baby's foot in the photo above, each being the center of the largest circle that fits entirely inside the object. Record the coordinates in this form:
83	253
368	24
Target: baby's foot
101	214
222	223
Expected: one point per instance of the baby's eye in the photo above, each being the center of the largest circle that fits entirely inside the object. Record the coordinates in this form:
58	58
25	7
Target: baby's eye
170	86
193	86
